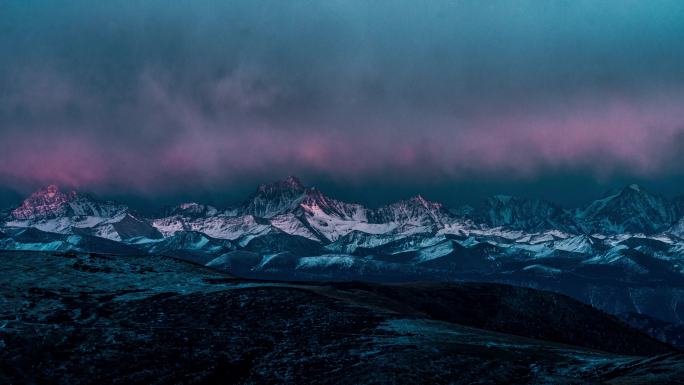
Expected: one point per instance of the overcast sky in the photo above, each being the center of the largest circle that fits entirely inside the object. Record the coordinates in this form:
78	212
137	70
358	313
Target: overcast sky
371	100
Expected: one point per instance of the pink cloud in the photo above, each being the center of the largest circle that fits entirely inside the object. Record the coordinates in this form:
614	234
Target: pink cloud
174	141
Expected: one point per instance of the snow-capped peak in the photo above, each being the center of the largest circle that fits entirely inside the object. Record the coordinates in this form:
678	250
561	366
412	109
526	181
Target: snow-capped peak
416	211
522	214
51	202
52	210
51	190
194	209
290	183
420	200
632	210
274	198
47	202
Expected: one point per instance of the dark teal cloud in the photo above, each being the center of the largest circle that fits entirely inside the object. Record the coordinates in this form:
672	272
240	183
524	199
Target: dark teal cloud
360	92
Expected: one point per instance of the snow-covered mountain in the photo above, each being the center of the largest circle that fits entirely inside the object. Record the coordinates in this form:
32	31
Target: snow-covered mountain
307	212
286	216
53	210
630	210
189	245
275	198
29	238
289	207
413	215
618	247
193	209
523	214
220	225
52	203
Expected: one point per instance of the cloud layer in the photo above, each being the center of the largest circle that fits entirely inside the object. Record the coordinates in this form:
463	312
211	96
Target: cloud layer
160	96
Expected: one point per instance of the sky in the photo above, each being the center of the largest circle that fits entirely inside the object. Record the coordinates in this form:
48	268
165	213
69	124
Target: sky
162	101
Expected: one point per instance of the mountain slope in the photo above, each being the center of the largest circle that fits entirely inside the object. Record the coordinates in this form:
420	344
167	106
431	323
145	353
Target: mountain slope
631	210
51	203
275	198
52	210
620	254
188	245
292	208
523	214
159	320
33	239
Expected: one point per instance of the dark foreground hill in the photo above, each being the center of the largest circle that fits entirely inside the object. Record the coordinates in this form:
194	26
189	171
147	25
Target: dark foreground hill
95	319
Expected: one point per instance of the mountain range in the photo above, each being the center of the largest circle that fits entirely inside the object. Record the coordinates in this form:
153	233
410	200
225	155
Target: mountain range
290	207
622	253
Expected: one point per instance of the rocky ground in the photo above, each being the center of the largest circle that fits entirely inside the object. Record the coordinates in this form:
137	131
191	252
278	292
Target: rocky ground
72	318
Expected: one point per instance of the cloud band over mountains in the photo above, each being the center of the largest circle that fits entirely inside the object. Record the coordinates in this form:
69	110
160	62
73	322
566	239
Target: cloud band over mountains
154	96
